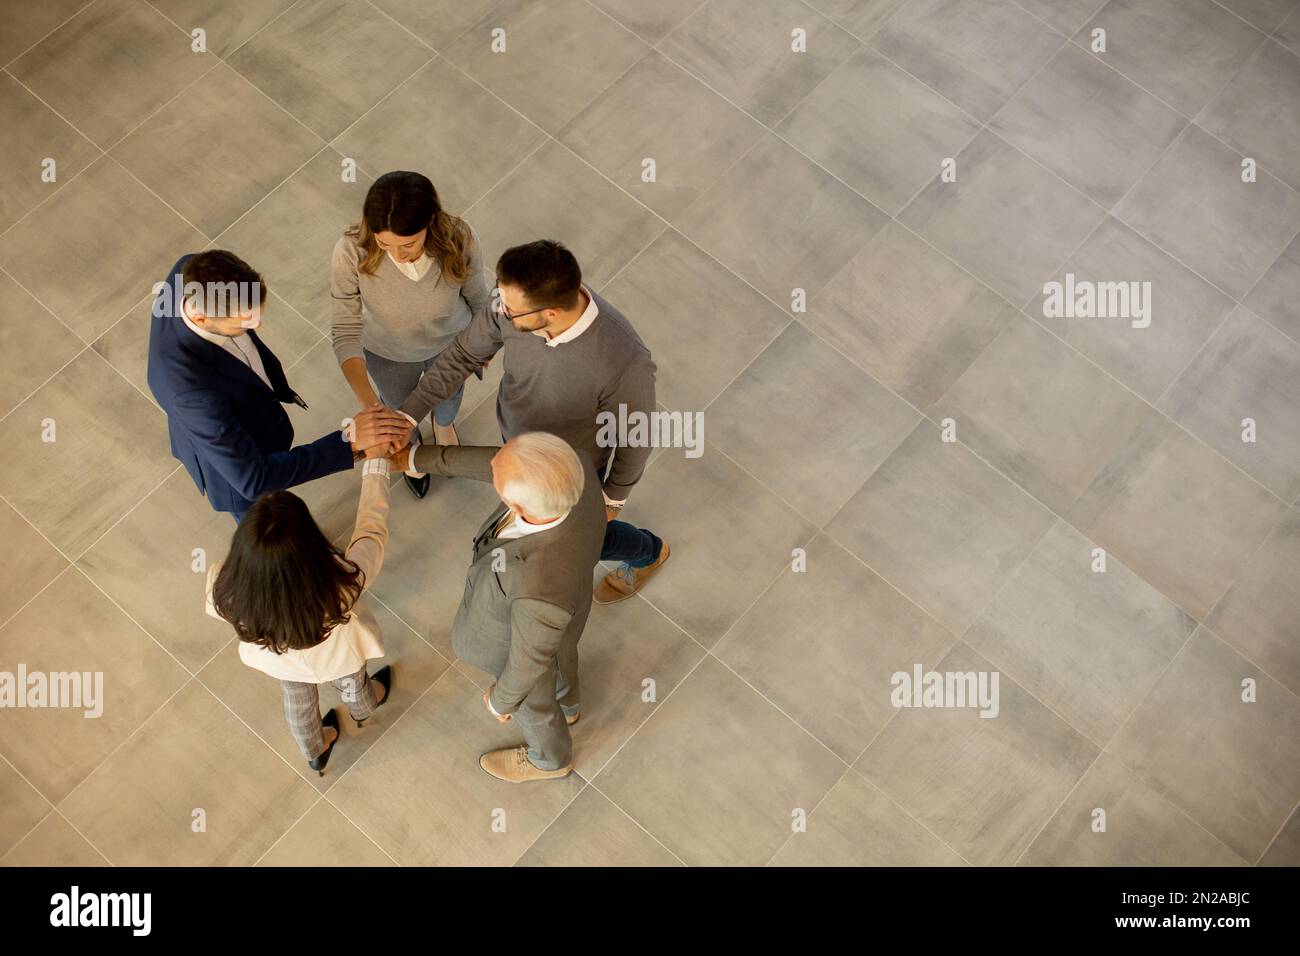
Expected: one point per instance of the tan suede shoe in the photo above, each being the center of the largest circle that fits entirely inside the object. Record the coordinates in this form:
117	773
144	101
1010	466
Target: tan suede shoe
513	766
571	719
622	584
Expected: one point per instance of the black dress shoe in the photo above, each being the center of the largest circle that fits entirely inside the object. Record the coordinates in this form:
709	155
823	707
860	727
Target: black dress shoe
329	720
419	486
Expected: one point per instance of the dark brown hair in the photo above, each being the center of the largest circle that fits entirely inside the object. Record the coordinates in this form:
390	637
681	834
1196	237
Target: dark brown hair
217	267
545	270
403	203
283	585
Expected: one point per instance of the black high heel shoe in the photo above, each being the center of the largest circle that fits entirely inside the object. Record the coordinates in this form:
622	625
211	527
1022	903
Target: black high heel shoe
329	720
384	678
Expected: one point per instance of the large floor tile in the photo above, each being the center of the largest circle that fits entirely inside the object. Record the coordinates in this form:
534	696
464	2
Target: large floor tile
808	423
941	526
110	277
822	644
289	236
1088	124
1006	219
1256	112
527	74
857	825
651	21
984	785
56	747
555	195
781	222
1149	42
226	24
324	837
1276	297
55	842
1265	14
1232	765
29	563
467	141
703	325
621	648
28	23
1194	205
718	772
1177	514
658	111
730	538
21	807
1260	613
256	698
109	67
176	534
1087	644
593	832
744	49
34	134
1247	370
32	349
420	794
878	129
213	186
975	54
1142	828
328	61
1285	848
1041	414
1148	352
908	315
109	451
436	22
1065	15
139	808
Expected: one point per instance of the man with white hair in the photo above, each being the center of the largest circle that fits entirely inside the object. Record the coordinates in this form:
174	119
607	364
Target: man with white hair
528	590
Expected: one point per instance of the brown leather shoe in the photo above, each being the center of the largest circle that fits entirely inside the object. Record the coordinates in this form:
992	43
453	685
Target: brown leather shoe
513	766
621	584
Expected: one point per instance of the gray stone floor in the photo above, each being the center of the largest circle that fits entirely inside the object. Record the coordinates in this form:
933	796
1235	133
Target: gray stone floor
776	170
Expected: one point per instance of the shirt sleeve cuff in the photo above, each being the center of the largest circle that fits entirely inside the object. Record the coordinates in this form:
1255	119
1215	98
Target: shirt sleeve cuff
375	466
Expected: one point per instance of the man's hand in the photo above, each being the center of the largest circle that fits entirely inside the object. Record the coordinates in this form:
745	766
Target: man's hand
487	702
377	425
402	459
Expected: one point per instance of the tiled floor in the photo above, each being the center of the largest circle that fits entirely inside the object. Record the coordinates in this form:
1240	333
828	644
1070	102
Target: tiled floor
804	275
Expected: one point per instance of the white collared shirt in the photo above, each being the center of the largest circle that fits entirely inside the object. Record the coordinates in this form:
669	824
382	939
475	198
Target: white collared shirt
519	527
577	328
413	270
241	346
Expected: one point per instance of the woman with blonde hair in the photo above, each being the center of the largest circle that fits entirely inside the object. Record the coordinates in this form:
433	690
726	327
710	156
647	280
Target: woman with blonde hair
404	279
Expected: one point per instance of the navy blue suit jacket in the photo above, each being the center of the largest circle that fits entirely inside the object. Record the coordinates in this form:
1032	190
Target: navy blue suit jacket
228	429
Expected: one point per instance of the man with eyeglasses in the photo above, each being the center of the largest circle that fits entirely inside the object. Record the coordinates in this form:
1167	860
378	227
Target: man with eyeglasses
569	356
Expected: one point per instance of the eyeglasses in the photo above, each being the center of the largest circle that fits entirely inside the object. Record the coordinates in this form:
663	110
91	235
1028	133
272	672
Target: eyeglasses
499	304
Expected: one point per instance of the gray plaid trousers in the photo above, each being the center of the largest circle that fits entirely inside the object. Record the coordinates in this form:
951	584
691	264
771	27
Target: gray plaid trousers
302	708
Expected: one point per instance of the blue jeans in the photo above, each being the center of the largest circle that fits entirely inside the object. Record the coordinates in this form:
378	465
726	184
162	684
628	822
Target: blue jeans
628	543
395	381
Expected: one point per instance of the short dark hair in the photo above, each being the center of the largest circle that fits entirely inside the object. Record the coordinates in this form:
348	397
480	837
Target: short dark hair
545	270
283	585
218	267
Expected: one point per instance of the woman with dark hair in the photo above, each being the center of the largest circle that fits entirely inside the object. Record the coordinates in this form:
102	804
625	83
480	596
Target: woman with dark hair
295	601
405	279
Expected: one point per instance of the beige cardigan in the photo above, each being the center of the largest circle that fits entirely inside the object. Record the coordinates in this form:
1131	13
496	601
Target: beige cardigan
350	644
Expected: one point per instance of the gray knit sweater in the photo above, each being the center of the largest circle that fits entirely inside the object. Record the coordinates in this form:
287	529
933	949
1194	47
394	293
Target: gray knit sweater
394	316
558	389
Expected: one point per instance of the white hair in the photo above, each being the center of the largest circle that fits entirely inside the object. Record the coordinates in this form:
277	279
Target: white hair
548	477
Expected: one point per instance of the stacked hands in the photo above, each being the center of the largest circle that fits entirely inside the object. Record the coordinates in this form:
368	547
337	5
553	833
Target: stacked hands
382	432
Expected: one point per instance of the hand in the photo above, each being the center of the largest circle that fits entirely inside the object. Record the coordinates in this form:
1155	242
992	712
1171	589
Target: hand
402	459
612	513
487	702
377	425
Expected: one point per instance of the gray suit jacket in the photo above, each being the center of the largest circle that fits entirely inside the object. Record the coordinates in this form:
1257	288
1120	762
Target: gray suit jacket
513	622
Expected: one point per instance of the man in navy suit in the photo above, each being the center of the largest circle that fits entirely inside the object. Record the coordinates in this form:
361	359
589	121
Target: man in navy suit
222	389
